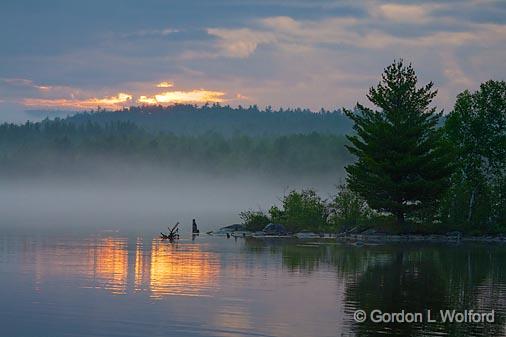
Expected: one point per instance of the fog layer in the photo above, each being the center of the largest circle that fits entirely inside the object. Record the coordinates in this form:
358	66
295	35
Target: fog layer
142	202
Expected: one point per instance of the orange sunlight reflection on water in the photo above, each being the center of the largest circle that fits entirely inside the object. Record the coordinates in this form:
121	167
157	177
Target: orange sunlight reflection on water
107	263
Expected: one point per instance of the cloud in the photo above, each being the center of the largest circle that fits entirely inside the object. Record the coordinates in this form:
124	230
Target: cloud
333	60
151	33
290	34
74	103
404	13
453	71
22	82
165	84
193	96
17	81
139	92
277	52
240	43
280	31
242	97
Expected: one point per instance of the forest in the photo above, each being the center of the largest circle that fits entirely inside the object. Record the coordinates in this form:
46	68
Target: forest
57	146
186	119
212	138
415	170
409	167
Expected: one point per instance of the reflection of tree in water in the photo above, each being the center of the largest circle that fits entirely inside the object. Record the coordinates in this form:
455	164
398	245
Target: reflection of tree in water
435	278
308	257
296	256
410	278
409	282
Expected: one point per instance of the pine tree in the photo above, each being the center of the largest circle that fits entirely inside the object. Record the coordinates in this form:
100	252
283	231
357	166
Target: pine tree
402	164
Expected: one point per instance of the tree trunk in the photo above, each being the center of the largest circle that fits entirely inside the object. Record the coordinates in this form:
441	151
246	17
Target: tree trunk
471	204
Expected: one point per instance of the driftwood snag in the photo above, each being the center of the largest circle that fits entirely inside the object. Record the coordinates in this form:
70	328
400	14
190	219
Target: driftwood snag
172	235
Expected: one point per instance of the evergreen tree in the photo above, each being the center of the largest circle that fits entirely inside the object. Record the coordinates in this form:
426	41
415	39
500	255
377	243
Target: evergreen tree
402	165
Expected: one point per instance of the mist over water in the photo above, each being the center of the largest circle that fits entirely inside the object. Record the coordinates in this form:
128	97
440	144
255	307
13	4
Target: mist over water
140	201
80	255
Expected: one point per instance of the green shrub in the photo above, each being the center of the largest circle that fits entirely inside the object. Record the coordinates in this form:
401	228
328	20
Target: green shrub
254	220
348	210
301	210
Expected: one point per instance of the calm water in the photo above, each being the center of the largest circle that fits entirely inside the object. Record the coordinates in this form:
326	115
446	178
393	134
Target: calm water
109	284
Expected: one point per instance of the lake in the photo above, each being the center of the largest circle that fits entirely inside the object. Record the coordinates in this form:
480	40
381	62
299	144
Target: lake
110	283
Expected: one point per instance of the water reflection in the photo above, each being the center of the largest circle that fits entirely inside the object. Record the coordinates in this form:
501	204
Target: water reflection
181	270
410	278
108	263
219	287
233	320
158	268
141	269
436	278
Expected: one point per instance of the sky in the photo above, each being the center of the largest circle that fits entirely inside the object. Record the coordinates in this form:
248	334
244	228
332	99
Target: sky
80	54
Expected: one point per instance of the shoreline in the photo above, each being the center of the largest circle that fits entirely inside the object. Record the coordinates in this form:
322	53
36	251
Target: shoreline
393	238
383	238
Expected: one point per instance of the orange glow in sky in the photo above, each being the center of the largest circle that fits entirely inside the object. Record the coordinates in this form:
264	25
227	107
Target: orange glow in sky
120	100
194	96
106	102
147	100
165	84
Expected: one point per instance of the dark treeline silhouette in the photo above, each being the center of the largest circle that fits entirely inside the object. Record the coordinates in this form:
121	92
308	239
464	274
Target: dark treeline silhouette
225	120
60	145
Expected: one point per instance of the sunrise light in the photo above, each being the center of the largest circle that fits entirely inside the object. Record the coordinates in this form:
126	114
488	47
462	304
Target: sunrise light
165	85
107	102
194	96
147	100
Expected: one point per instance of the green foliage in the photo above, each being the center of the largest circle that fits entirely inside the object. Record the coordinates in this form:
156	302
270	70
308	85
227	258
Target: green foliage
60	145
349	210
185	119
476	128
254	220
301	210
402	164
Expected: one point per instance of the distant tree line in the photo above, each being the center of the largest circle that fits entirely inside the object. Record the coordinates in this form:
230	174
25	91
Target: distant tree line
185	119
58	145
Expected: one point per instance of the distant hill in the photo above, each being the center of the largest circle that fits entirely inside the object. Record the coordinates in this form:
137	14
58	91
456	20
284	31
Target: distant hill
60	147
224	120
49	113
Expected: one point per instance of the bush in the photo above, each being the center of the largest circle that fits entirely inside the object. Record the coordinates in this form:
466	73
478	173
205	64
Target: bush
349	210
301	210
254	220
